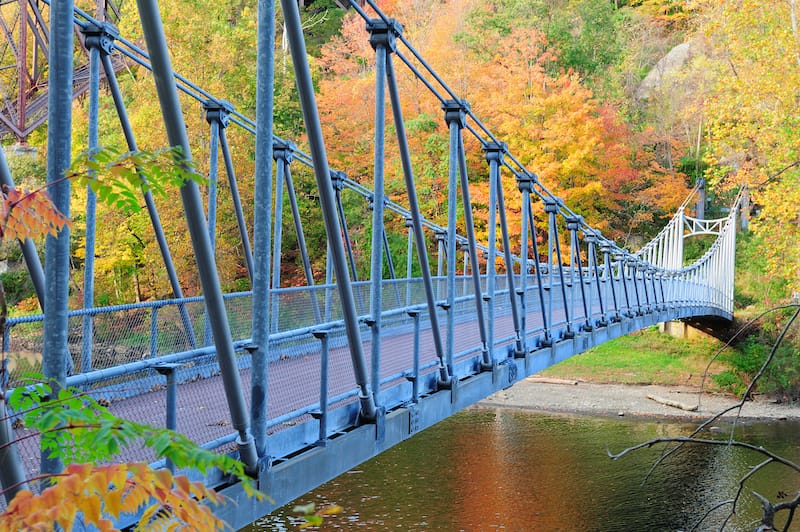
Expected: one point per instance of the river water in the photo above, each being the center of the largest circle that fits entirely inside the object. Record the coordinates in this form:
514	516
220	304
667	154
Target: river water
503	469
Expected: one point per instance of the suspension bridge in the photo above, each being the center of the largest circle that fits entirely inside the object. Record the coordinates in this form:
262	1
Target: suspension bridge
302	383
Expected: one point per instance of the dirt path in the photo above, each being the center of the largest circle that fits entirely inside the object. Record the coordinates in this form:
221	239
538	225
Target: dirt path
630	400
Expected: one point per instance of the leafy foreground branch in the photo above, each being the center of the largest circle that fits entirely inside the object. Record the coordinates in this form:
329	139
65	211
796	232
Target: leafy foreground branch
85	435
672	445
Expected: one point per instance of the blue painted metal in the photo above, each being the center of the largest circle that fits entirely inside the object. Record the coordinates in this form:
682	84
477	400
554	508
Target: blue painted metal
91	209
328	201
547	311
237	202
213	112
472	247
382	40
56	361
315	436
445	374
101	37
265	74
168	370
198	228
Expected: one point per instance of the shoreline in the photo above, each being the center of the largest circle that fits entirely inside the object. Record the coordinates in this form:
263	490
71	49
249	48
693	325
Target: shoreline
631	400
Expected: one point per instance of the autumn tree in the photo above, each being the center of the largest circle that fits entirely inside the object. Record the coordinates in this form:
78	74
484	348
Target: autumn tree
752	118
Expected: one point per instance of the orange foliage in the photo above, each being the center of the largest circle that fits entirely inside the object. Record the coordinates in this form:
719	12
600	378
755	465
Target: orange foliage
112	490
28	214
580	148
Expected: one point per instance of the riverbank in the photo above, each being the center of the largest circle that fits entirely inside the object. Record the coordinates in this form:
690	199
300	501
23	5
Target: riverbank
579	397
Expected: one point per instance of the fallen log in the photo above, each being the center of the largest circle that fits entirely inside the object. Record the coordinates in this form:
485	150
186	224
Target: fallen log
673	404
551	380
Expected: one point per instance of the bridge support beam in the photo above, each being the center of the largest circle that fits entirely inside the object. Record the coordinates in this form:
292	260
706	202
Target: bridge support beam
445	374
305	88
455	114
493	151
56	359
382	40
198	230
283	153
551	207
262	218
100	39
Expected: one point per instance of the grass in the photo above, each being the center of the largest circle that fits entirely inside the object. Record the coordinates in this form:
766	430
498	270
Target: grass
643	357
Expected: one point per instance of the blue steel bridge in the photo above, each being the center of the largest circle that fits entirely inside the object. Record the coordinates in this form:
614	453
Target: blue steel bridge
302	383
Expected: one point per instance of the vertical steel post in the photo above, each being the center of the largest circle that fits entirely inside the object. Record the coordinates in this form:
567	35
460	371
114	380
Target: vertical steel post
12	474
445	374
212	115
591	239
452	259
634	266
87	335
322	336
455	115
547	341
103	38
328	281
409	259
677	259
277	239
493	152
524	185
622	271
305	88
213	119
605	249
169	370
441	251
237	201
56	360
465	268
551	208
198	229
645	271
262	218
491	257
572	226
415	364
381	39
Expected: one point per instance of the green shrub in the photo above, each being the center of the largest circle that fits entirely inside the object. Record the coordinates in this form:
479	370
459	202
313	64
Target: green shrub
727	380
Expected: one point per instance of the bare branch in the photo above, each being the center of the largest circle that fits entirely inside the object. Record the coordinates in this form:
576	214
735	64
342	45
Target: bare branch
710	511
702	441
769	509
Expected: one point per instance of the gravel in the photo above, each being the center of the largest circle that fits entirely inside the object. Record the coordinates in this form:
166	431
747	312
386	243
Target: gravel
553	395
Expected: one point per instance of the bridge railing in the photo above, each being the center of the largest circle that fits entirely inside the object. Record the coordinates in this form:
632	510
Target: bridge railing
474	305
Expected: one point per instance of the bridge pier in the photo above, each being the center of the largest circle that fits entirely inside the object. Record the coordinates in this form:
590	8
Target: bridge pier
680	329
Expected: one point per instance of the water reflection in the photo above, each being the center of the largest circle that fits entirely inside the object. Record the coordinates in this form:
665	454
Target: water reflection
498	469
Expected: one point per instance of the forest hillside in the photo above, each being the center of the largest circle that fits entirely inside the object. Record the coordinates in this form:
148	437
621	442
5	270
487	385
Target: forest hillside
620	107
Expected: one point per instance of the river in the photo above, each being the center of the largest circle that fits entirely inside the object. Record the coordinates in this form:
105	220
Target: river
505	469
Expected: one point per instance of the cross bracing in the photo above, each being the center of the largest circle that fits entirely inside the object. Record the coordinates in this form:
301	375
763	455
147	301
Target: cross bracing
303	381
